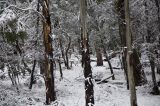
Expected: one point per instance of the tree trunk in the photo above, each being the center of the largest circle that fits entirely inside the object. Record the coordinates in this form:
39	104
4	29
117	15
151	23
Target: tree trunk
158	70
89	92
32	75
110	66
129	58
157	2
155	86
109	63
99	57
66	53
107	58
60	68
62	51
139	75
49	78
34	62
151	58
122	29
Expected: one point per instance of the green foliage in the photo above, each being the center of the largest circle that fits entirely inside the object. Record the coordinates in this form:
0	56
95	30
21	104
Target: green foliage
22	35
12	36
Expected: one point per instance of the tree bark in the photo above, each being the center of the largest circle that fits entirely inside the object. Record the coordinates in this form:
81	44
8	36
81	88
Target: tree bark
89	92
49	78
129	58
155	86
62	51
99	57
157	2
32	75
122	29
66	52
60	67
139	75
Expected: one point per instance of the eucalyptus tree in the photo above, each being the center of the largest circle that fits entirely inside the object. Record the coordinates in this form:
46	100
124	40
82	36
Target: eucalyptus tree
129	55
48	74
89	91
139	75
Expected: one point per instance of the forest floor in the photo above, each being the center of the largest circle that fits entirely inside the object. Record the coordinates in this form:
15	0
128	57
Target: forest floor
70	89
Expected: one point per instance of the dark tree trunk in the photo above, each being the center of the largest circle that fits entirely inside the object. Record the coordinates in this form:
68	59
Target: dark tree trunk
66	53
34	62
32	75
99	57
62	51
158	70
138	72
60	68
158	13
109	63
151	58
110	66
89	92
155	86
122	29
107	58
49	78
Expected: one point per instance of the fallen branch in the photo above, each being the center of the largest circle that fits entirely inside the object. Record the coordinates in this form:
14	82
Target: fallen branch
115	68
104	80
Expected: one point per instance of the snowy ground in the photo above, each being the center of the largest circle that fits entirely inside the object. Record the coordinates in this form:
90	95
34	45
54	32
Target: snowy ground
70	90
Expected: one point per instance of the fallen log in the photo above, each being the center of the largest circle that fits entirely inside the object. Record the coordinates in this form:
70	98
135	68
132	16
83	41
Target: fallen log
118	68
104	80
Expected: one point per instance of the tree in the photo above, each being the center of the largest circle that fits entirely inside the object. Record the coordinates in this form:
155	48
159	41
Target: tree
151	57
129	58
49	78
89	92
138	72
34	62
99	56
158	13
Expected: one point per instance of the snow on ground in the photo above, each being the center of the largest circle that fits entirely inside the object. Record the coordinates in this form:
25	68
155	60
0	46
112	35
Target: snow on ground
70	89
